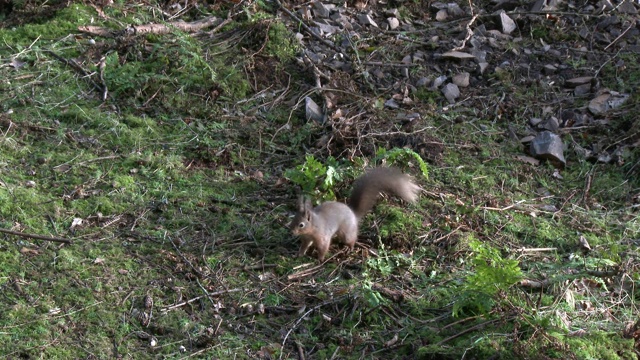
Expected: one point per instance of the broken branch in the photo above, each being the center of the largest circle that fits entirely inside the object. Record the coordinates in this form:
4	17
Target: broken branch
34	236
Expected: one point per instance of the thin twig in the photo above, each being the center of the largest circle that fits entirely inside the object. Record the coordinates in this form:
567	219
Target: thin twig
183	303
475	327
74	65
381	63
99	159
295	325
469	33
34	236
535	249
632	24
389	133
504	208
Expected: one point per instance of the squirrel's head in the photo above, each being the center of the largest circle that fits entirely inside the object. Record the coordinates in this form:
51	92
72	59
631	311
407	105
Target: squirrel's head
301	223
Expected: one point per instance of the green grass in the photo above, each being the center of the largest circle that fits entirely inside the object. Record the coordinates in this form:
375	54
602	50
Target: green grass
185	179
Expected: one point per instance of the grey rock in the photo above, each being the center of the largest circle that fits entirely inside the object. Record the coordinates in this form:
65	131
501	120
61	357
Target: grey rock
341	20
438	81
578	81
393	22
442	15
552	124
555	53
550	69
391	104
454	10
482	66
480	55
537	6
451	92
321	10
315	58
608	21
326	29
462	79
457	55
480	30
313	111
584	32
438	6
423	81
527	139
366	19
379	73
392	12
582	153
549	208
474	42
600	104
582	90
409	116
627	7
617	99
605	157
508	25
548	146
418	56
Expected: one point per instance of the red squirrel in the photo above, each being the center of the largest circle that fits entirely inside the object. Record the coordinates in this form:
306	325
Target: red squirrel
317	226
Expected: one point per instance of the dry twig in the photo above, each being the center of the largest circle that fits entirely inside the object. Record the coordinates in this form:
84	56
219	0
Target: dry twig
183	303
34	236
295	325
85	74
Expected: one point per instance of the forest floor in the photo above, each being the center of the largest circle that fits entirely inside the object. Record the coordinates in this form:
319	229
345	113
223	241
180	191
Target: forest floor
152	153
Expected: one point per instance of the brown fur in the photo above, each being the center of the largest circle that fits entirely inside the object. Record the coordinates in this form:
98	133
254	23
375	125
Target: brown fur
317	226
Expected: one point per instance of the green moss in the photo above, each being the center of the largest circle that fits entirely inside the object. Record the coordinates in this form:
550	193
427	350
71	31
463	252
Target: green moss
281	43
66	21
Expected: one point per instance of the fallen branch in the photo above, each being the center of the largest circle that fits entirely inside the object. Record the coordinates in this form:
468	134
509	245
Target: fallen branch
535	249
34	236
152	28
535	284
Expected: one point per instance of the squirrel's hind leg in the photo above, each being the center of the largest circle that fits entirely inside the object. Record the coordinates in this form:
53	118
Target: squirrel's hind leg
350	237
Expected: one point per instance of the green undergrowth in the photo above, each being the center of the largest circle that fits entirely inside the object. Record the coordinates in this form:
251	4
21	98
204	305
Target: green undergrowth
178	189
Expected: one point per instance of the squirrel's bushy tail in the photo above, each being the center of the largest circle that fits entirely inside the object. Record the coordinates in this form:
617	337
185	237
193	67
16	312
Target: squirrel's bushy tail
381	180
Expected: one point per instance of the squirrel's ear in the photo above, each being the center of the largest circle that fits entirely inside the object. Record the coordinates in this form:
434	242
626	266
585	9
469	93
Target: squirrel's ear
300	203
308	208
